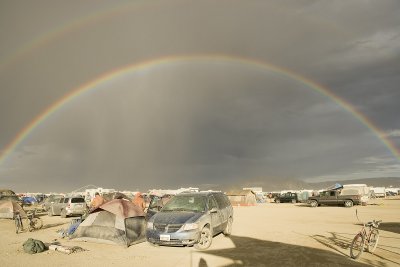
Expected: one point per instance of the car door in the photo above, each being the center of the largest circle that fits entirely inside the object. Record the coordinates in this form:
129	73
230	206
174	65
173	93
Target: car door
55	207
223	207
285	198
333	199
324	197
293	197
215	214
60	206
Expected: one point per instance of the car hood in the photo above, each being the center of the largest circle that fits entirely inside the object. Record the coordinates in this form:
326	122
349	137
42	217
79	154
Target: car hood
176	217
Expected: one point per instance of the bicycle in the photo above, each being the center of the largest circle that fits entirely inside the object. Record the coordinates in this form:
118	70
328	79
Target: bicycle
35	223
364	238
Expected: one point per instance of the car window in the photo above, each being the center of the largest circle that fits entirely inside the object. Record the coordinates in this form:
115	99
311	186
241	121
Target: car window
212	203
61	200
226	199
66	200
220	200
77	200
194	203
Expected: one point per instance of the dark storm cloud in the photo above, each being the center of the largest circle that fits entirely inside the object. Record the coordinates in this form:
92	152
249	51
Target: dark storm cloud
196	123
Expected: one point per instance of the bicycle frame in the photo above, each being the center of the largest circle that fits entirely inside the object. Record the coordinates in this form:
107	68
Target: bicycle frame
33	221
367	235
365	239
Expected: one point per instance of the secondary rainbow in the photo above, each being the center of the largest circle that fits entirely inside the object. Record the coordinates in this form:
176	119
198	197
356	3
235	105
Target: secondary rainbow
208	58
55	33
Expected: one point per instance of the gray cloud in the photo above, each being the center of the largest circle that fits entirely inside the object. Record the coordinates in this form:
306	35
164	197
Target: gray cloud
197	122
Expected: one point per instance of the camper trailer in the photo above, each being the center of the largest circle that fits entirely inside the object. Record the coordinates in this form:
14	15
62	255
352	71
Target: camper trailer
357	189
379	191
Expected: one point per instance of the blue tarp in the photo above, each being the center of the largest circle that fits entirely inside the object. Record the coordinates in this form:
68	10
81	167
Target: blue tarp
29	200
335	187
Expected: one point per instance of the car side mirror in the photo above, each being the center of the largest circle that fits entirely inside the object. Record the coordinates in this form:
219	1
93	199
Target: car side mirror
213	210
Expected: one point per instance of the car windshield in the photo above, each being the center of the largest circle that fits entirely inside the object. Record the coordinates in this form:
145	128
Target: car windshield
52	198
155	202
186	203
77	200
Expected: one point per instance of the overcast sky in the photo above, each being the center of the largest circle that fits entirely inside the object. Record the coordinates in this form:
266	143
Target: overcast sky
204	122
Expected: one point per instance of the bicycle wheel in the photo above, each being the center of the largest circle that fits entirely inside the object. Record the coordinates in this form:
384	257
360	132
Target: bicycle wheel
36	224
373	240
357	246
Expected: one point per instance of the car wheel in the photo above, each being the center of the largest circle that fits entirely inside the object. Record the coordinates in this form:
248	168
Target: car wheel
277	201
205	239
63	214
228	229
50	212
348	203
294	201
314	203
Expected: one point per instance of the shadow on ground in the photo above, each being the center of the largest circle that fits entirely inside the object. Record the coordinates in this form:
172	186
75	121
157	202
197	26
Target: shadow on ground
342	241
335	241
393	227
52	225
255	252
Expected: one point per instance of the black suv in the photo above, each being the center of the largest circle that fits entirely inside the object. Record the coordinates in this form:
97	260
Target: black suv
191	219
288	197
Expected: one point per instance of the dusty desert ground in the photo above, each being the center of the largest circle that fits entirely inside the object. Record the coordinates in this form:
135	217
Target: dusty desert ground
264	235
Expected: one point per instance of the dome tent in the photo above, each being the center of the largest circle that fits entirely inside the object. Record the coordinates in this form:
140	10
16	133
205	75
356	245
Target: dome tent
8	208
116	222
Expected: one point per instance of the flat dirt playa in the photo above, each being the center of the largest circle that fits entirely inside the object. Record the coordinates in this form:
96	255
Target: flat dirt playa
265	235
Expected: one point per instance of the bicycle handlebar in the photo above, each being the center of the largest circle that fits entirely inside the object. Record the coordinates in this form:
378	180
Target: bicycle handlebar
374	223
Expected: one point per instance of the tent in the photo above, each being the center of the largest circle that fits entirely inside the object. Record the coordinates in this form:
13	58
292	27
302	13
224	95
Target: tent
114	195
6	192
8	208
29	201
242	198
116	222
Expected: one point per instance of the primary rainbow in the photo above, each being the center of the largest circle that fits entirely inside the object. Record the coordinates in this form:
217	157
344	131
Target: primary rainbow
207	58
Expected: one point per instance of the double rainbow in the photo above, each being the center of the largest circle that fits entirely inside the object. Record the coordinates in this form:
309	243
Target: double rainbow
208	58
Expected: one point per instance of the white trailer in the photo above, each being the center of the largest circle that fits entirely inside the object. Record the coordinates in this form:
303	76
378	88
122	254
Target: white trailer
357	189
379	191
